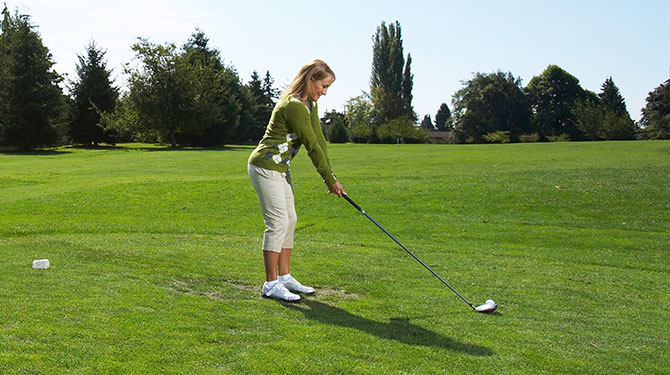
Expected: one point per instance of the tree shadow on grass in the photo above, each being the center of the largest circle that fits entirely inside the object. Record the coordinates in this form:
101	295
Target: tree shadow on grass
14	152
398	329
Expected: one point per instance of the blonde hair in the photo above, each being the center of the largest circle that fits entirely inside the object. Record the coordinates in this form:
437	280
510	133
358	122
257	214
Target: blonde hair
314	70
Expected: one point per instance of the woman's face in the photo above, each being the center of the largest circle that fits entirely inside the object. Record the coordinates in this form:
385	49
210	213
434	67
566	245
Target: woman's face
320	87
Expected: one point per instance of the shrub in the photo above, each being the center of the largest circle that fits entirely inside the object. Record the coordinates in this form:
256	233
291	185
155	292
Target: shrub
529	138
565	137
499	136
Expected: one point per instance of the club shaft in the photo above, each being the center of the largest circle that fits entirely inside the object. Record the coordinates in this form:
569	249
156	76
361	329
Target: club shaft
405	248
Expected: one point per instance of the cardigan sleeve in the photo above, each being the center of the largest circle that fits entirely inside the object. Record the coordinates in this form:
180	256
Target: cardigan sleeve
299	120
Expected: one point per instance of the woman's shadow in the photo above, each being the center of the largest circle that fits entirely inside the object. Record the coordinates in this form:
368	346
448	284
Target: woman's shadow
398	329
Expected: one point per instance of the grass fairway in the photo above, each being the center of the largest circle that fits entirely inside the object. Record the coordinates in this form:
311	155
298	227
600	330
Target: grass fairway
156	263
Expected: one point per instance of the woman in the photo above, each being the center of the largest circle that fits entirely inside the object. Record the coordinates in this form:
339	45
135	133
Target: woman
294	122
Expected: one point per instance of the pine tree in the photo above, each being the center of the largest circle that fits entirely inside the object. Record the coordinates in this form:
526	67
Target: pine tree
337	130
427	123
617	123
92	94
656	113
263	97
611	98
443	118
219	94
31	102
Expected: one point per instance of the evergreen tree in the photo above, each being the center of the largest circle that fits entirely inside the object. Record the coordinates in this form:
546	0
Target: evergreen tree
611	98
198	51
427	123
92	94
263	99
336	128
656	113
32	105
391	79
617	123
443	118
270	94
218	94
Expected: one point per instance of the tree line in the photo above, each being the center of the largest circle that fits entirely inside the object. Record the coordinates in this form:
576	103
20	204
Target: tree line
495	107
176	95
187	96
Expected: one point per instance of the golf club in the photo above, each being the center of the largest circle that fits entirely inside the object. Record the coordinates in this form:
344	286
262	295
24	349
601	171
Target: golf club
487	307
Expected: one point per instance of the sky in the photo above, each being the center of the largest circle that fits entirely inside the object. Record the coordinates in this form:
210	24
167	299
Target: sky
448	40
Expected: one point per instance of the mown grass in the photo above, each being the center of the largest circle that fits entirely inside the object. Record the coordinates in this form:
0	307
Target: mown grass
156	266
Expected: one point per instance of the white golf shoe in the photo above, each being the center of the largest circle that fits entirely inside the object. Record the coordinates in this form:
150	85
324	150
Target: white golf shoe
294	285
277	290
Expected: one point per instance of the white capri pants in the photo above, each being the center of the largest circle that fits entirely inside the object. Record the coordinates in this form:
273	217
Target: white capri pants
275	196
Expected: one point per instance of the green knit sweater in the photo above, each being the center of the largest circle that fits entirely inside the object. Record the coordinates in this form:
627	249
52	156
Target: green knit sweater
291	125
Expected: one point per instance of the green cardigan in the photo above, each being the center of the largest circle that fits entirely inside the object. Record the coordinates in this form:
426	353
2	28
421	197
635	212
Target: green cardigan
291	125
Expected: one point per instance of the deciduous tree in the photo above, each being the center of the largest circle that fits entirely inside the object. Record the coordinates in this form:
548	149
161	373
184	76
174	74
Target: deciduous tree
488	103
162	92
552	95
391	80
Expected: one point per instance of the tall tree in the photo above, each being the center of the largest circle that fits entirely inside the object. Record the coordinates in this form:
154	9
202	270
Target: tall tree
656	113
589	118
32	105
611	98
218	94
198	51
443	118
162	92
270	94
488	103
92	93
263	97
391	79
427	123
617	123
552	95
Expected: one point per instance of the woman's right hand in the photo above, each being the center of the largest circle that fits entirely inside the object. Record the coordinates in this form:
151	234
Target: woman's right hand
336	188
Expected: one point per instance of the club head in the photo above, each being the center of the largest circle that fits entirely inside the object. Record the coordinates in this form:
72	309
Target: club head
488	307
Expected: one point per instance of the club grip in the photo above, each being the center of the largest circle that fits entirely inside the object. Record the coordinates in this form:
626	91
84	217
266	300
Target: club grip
352	202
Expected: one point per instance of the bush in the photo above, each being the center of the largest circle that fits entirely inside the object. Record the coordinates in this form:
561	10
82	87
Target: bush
401	127
565	137
529	138
499	136
361	133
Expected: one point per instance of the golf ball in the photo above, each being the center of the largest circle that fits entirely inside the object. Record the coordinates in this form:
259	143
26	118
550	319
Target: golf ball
490	302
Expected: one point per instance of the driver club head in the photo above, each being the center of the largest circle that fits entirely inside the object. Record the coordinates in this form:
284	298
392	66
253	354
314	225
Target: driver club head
488	307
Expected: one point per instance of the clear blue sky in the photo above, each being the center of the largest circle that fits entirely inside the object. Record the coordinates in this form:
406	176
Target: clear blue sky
448	40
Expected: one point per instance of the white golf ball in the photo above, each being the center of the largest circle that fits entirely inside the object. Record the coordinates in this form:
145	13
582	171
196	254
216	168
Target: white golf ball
490	302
